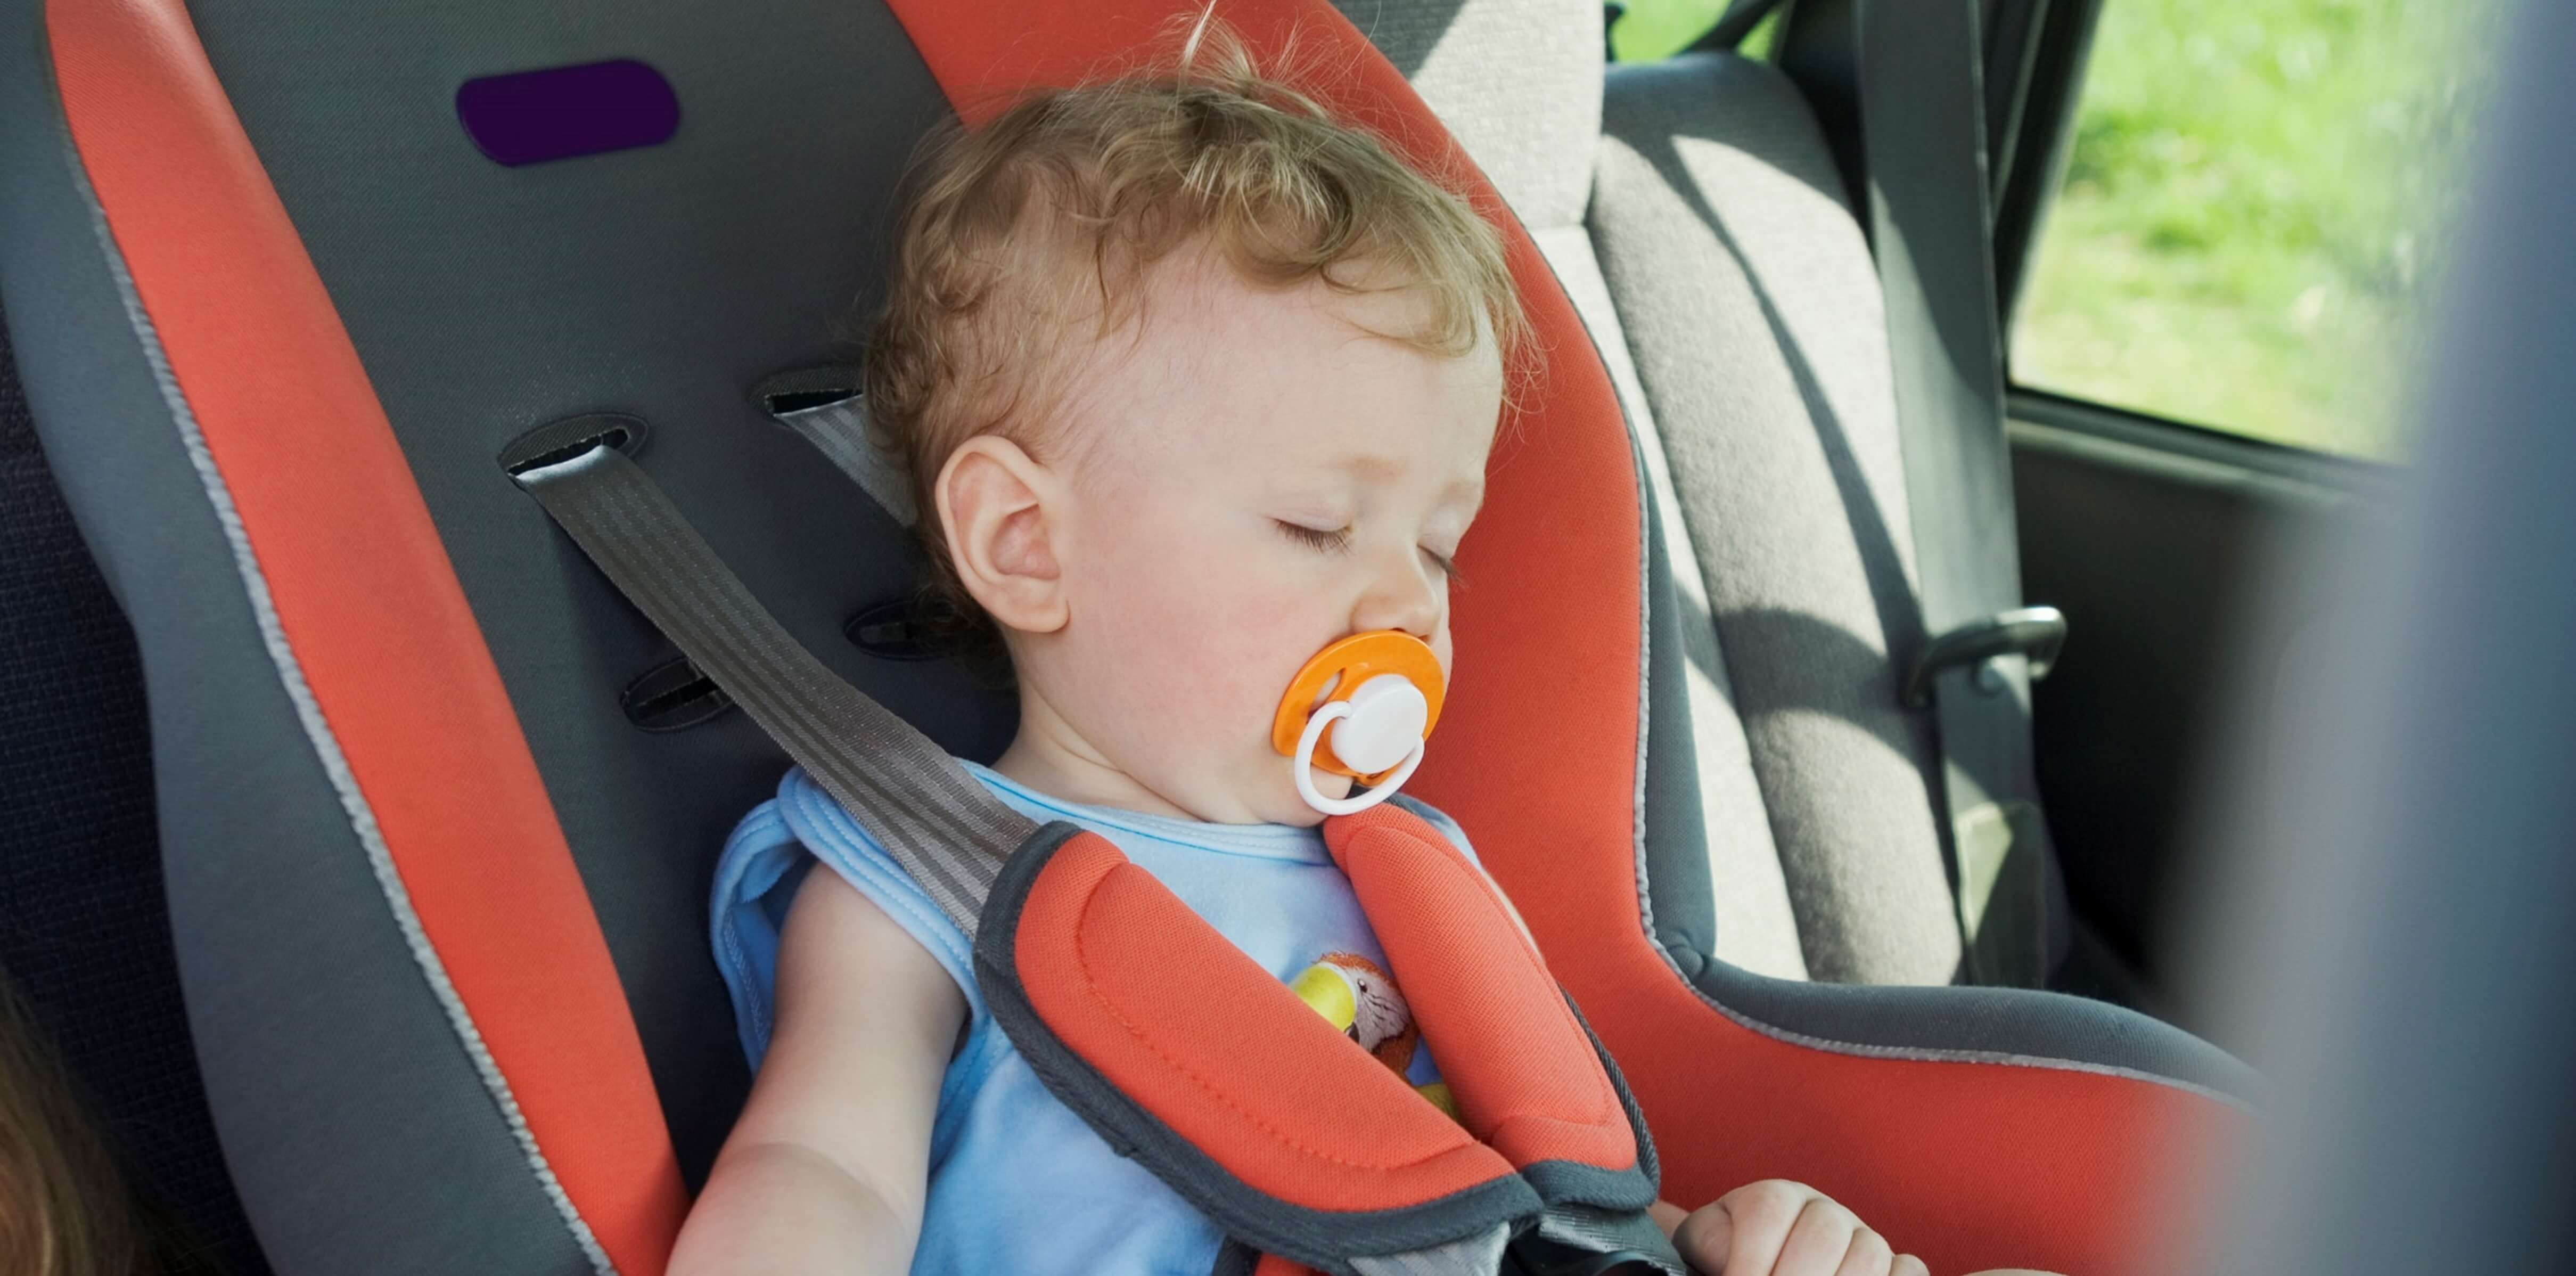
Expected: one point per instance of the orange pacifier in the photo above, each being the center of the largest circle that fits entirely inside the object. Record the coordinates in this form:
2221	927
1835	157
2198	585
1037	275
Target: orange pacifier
1362	708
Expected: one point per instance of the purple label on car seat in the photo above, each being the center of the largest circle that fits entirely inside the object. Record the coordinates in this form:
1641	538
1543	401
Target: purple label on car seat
529	117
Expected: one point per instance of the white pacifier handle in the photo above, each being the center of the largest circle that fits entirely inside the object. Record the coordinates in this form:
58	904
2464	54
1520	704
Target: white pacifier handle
1303	762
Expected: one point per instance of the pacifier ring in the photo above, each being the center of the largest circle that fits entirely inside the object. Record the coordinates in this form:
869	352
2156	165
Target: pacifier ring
1384	688
1304	767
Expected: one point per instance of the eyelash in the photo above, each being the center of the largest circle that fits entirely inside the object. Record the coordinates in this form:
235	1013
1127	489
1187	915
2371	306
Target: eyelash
1331	542
1339	541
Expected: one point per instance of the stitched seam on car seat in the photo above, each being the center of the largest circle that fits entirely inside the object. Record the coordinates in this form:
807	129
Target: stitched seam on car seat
317	729
1082	927
1645	680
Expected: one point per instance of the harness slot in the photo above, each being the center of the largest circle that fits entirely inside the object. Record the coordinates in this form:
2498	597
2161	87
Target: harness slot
673	696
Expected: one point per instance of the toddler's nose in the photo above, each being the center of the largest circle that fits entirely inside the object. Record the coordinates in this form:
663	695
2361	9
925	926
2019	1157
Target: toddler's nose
1403	594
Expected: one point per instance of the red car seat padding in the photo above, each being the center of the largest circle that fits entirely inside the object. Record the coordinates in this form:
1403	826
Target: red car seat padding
1216	1048
1190	1057
1968	1161
364	612
1518	1062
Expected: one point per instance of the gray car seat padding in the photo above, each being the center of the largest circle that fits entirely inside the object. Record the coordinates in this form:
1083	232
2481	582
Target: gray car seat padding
664	281
1519	84
478	315
1753	311
1713	873
255	842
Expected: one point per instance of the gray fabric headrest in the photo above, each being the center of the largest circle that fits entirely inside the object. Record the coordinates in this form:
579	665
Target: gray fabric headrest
1517	81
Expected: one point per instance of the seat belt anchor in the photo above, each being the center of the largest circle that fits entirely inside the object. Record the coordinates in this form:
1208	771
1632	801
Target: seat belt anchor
2034	633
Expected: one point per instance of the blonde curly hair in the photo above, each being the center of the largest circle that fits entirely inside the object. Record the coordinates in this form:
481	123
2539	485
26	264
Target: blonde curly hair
1037	230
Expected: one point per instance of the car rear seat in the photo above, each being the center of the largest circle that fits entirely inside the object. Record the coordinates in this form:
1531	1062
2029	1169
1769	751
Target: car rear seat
330	1027
1694	213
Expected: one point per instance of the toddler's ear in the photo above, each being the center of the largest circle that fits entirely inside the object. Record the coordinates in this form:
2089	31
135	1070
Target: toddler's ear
998	509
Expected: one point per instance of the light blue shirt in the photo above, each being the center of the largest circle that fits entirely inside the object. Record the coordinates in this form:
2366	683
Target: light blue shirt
1017	1182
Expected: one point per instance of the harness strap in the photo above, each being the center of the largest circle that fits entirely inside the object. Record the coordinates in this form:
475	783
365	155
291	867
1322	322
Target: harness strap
839	430
946	830
1530	1081
1477	1255
1580	1240
1194	1061
824	405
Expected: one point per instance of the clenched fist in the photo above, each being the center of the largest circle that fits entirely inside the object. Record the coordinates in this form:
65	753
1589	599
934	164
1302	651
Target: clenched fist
1779	1228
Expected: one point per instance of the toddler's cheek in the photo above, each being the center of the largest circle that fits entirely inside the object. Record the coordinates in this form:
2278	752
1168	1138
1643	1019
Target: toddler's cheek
1224	687
1200	675
1236	641
1203	644
1226	679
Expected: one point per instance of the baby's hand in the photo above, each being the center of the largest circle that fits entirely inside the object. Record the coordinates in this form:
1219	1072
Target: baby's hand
1779	1228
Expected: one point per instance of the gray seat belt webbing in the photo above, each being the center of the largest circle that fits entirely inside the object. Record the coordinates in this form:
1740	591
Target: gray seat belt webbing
1475	1255
839	430
935	820
1923	134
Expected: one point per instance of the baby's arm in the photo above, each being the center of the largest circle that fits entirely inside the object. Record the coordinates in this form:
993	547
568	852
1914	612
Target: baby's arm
828	1166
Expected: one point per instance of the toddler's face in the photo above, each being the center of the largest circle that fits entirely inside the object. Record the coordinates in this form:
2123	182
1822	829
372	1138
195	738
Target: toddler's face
1254	477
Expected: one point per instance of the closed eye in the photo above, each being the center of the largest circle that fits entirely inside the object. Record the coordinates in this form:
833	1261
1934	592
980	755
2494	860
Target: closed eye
1448	566
1335	541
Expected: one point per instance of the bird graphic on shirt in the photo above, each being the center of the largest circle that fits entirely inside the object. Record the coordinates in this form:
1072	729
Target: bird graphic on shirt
1354	995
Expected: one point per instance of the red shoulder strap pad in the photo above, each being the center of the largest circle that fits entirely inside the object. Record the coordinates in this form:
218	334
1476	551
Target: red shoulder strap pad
1527	1074
1190	1058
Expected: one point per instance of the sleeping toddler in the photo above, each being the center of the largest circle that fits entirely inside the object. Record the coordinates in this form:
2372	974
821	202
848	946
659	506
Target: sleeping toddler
1192	380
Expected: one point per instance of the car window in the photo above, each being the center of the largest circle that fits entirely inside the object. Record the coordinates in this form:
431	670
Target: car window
2256	211
1649	30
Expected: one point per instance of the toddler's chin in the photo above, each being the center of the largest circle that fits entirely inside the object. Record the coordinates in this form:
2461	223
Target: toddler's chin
1298	815
1292	810
1273	799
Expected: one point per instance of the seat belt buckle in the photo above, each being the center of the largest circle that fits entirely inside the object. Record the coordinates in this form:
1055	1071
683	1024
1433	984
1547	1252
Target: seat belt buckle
1606	1245
2033	633
1523	1259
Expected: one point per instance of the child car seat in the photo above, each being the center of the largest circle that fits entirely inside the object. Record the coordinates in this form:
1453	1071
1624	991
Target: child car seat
437	813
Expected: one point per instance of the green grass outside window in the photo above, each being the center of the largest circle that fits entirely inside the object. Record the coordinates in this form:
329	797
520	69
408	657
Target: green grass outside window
2256	211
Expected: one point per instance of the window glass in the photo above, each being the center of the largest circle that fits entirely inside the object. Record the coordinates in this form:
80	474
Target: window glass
1649	30
2256	211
